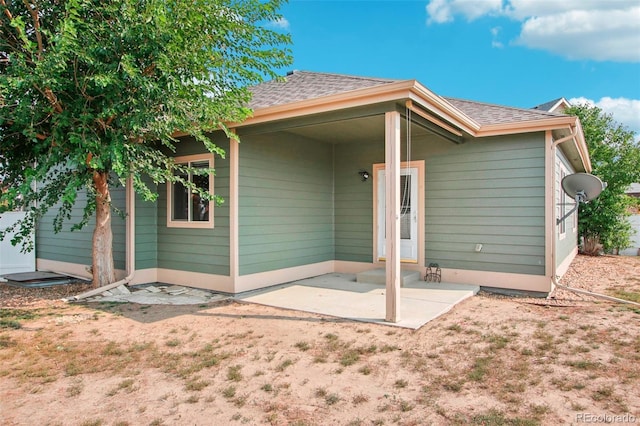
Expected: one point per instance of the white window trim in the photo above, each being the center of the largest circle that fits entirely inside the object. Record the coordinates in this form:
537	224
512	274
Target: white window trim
189	223
562	200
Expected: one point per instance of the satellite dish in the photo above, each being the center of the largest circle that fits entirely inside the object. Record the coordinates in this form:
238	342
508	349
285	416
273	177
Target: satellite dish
582	187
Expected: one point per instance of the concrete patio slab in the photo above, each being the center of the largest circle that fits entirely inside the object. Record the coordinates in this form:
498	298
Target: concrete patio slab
340	295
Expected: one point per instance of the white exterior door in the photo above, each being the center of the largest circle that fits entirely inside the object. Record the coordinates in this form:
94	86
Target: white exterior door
409	214
11	260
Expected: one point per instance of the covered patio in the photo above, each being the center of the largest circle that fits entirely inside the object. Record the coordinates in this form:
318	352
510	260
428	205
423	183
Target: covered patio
340	295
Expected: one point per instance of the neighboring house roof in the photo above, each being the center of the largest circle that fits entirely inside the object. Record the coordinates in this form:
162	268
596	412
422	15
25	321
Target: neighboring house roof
633	189
552	106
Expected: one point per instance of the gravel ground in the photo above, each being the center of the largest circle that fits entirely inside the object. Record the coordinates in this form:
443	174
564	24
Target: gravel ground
603	274
20	297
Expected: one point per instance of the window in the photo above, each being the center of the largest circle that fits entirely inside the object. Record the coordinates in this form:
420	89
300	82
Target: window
562	200
186	209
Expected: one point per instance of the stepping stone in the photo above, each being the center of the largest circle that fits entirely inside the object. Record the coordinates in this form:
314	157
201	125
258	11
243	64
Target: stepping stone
153	289
198	293
123	290
176	289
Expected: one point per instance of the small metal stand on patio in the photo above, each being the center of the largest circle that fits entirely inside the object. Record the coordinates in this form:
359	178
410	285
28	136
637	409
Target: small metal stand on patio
433	273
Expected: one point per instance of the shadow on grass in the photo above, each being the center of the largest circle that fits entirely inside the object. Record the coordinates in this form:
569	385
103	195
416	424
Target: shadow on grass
153	313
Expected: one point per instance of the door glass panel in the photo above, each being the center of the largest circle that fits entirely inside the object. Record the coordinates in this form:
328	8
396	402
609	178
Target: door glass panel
405	207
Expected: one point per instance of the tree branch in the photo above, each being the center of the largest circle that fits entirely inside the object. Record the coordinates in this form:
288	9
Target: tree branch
36	25
6	10
51	97
149	70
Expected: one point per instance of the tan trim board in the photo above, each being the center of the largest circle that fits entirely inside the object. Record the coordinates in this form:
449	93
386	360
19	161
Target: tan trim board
195	279
353	98
564	266
189	223
234	236
348	267
431	102
420	165
144	276
432	119
74	269
280	276
539	283
525	126
549	205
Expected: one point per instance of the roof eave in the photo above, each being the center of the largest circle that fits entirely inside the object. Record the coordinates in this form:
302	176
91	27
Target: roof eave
349	99
551	123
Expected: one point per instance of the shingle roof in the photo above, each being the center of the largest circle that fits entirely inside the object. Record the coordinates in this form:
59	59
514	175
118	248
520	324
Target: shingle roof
303	85
487	114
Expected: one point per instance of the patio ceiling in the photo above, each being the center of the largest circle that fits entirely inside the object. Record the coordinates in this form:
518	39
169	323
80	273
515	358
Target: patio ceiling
365	129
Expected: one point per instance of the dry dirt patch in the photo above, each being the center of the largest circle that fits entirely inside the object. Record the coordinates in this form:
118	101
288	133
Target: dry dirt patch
491	360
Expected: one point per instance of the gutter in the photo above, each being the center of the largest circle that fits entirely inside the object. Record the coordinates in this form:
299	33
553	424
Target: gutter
130	247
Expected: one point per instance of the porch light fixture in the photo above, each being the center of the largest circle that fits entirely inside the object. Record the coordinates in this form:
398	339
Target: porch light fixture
364	175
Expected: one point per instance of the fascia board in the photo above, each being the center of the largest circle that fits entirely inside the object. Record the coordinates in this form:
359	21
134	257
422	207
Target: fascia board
441	107
525	126
350	99
581	145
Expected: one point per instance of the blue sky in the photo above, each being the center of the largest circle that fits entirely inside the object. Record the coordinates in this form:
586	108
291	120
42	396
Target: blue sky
511	52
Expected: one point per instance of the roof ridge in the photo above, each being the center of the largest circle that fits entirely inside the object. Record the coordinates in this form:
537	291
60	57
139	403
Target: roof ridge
356	77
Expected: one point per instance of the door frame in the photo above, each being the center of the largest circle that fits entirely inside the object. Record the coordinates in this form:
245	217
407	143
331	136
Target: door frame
418	164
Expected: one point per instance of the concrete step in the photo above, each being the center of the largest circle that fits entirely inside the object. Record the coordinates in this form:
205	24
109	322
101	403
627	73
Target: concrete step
378	276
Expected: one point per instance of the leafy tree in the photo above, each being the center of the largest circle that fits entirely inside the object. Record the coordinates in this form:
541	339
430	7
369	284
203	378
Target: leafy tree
91	92
615	158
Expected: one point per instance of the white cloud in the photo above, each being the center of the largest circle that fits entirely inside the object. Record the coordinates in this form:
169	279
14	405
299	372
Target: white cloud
280	23
606	35
577	29
441	11
624	111
495	32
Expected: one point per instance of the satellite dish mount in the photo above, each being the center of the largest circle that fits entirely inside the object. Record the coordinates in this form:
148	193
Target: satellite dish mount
582	187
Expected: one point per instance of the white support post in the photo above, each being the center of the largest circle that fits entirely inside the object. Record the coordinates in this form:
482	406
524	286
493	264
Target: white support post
392	220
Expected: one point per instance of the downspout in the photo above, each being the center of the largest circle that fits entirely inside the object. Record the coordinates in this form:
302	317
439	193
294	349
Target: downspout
130	242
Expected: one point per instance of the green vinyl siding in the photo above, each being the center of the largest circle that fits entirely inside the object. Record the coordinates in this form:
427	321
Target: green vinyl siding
197	250
354	200
286	203
565	245
76	246
488	191
146	233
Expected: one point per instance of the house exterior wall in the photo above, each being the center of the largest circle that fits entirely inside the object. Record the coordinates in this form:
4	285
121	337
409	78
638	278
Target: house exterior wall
488	191
285	210
76	247
491	192
197	250
146	236
567	241
354	200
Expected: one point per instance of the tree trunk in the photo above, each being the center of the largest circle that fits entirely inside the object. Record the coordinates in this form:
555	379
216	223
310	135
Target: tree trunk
591	246
103	271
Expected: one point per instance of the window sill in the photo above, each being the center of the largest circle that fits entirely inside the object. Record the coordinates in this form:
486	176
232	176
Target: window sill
191	225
